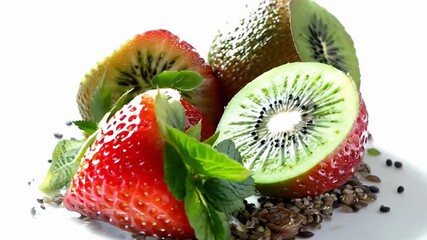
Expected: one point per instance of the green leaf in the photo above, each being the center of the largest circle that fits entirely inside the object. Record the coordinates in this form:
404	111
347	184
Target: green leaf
101	102
195	131
206	222
212	139
124	99
63	166
169	113
228	147
175	172
180	80
204	159
227	196
373	151
88	127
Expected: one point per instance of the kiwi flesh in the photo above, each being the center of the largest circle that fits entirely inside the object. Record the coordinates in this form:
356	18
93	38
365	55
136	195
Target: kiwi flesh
320	37
260	40
134	63
289	119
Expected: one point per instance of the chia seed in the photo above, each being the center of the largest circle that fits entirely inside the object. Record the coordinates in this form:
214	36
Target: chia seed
398	164
384	209
400	189
58	135
374	189
389	162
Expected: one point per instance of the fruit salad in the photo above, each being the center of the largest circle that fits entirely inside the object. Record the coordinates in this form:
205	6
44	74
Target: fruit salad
178	147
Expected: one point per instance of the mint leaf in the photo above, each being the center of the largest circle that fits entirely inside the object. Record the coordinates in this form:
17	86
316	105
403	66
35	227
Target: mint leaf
101	101
63	166
88	127
180	80
195	131
227	196
228	147
169	113
204	159
175	172
206	222
212	139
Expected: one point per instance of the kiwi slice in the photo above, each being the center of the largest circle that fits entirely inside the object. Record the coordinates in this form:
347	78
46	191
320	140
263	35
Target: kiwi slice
290	118
134	64
260	40
320	37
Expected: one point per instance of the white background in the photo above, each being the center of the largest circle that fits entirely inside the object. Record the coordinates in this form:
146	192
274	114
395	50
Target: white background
47	46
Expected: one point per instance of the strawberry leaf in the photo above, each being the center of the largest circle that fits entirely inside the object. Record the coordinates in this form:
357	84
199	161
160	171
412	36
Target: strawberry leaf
63	166
212	139
169	113
124	99
204	159
180	80
195	131
175	172
101	101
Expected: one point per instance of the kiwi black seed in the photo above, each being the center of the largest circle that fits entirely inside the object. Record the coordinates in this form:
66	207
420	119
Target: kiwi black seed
319	36
290	118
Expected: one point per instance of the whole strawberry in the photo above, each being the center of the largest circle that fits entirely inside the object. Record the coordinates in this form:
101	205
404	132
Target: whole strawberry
120	179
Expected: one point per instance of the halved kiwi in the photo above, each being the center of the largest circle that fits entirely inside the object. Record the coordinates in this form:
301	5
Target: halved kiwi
320	37
290	118
138	60
244	49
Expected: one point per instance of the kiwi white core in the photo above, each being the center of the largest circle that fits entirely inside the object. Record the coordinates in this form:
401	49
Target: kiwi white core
283	122
289	119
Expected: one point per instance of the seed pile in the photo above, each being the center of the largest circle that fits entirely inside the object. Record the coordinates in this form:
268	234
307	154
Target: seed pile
290	218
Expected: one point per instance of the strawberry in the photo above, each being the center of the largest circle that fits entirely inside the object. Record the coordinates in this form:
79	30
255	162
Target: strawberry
134	65
142	173
120	179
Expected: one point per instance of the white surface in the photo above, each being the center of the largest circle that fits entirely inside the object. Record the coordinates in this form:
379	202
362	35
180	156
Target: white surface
47	46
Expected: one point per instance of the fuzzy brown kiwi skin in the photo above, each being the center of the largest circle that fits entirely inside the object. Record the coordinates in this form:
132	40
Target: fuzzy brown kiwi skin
333	171
267	43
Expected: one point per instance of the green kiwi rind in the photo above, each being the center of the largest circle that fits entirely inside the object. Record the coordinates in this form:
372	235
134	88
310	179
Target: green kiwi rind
328	103
320	37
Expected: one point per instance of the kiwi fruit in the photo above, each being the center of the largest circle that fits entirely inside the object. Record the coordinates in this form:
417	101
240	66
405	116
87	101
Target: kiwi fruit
289	119
276	32
134	64
259	41
320	37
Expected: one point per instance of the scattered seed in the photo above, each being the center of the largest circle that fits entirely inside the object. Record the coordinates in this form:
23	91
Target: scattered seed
373	178
42	206
33	211
305	234
58	135
384	209
389	162
68	123
49	160
374	189
398	164
400	189
373	151
290	218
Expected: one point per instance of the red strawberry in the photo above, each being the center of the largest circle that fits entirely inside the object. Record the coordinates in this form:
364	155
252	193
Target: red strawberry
121	178
138	60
